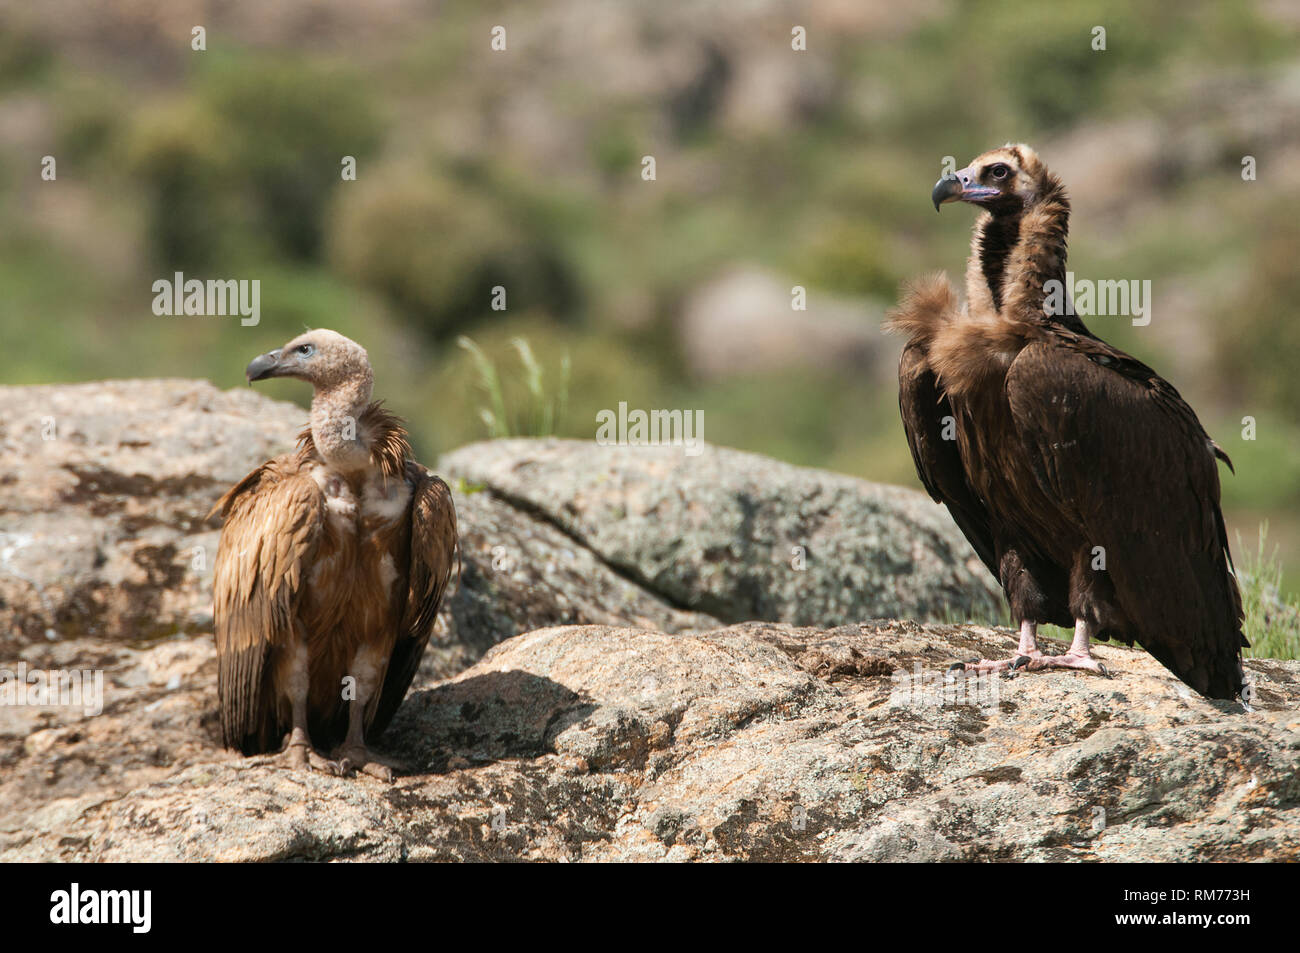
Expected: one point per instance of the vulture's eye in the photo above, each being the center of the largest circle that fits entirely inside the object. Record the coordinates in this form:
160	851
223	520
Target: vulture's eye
999	171
306	350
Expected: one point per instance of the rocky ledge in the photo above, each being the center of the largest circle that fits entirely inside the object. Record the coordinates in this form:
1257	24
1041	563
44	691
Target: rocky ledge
758	741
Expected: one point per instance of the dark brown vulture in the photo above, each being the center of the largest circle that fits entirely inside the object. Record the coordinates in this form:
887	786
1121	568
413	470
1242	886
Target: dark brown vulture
1082	479
332	563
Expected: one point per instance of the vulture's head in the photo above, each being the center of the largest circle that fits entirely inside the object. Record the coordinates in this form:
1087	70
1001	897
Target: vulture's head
1005	181
325	359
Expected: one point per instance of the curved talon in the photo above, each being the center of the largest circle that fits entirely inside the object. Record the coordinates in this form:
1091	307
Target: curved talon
1020	661
1101	667
957	667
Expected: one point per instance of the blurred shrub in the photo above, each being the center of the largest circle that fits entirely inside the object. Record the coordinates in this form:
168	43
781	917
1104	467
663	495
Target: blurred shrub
1258	342
850	257
614	149
181	152
25	55
435	248
291	124
257	148
693	106
89	117
1046	64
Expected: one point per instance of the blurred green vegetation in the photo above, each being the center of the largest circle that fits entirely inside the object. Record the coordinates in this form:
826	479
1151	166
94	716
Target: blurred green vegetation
1272	620
523	170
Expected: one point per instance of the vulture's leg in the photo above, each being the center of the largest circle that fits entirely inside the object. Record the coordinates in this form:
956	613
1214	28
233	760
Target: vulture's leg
353	754
1028	649
1079	655
299	752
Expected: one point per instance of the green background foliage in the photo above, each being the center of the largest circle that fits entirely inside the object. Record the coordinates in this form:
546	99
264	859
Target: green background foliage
523	169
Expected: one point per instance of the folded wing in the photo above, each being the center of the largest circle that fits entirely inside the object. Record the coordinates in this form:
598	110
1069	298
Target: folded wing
273	522
1133	472
433	554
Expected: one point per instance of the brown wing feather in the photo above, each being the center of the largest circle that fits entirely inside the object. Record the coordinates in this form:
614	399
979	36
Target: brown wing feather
1133	471
924	407
928	305
434	543
273	520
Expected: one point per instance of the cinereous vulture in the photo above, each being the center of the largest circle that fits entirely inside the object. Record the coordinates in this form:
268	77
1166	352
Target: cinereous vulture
332	563
1082	479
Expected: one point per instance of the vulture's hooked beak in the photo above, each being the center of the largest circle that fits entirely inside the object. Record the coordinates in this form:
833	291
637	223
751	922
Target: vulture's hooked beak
263	366
960	186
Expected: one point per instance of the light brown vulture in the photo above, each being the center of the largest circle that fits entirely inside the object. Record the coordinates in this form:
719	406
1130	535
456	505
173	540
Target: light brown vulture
332	563
1082	479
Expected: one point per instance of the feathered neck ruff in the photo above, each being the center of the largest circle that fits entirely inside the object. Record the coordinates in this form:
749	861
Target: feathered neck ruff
1014	254
372	439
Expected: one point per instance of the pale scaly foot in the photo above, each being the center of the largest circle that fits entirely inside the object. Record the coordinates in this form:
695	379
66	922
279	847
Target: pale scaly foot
300	754
1030	659
360	758
1028	650
1070	659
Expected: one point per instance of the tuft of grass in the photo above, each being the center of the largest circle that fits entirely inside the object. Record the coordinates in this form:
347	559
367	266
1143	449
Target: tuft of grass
975	614
464	488
494	416
542	415
1272	623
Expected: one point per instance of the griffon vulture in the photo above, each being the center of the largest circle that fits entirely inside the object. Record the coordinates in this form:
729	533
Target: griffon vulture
332	562
1082	479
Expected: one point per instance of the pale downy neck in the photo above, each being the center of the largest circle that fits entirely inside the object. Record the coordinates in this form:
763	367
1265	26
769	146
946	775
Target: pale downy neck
336	423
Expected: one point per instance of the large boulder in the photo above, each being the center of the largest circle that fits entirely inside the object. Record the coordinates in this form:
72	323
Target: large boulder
741	536
105	490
